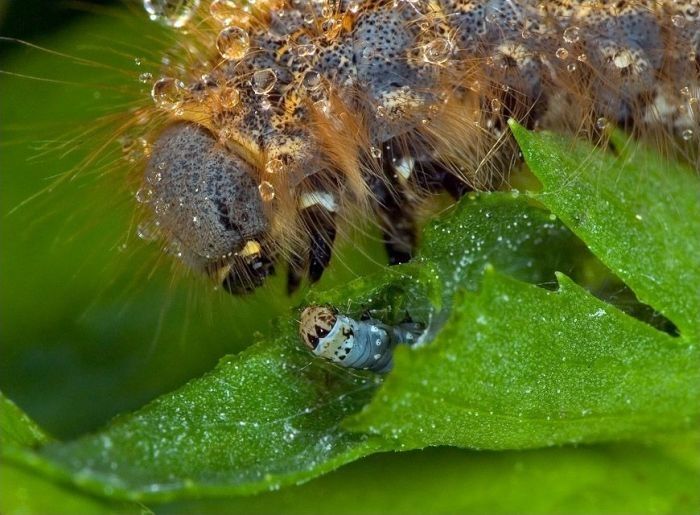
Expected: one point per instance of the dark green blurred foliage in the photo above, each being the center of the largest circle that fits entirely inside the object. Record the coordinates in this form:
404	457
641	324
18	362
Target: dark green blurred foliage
31	19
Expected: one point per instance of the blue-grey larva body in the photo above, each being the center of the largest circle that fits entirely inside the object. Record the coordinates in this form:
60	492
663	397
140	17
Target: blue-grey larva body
360	344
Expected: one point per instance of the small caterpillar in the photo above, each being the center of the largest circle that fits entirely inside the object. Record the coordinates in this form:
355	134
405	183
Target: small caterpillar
362	344
290	118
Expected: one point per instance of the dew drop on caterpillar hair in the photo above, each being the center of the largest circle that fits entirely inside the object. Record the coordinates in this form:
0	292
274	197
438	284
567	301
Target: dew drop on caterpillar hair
291	118
277	123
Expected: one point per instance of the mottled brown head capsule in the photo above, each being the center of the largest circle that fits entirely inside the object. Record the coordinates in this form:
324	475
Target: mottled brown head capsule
205	200
315	323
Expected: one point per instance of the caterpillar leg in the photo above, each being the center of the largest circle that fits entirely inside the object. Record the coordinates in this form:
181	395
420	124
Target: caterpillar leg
321	237
434	177
394	209
397	224
295	272
318	218
248	273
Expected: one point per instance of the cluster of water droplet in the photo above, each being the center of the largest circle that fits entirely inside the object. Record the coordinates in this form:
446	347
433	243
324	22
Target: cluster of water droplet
233	43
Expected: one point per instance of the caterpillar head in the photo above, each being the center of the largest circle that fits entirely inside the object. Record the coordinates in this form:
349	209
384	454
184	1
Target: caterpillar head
207	204
315	325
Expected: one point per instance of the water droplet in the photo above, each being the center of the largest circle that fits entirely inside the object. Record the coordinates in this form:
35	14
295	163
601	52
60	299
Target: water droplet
495	105
678	21
305	50
437	51
571	67
312	80
601	123
582	58
274	166
145	77
147	231
127	143
685	91
623	59
144	195
322	105
375	152
160	208
263	81
168	93
155	176
229	97
562	53
224	11
232	43
687	134
174	248
572	34
173	13
267	191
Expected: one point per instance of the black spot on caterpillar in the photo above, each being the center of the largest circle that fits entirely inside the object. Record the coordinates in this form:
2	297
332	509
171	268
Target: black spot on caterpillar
293	116
362	344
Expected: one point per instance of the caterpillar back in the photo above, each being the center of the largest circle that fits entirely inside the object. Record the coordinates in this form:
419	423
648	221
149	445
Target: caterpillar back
289	118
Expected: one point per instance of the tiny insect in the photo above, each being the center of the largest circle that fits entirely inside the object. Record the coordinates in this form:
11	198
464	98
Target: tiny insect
366	344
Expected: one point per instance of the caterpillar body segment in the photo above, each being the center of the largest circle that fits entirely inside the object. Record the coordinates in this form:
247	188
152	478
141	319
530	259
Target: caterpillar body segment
305	114
366	344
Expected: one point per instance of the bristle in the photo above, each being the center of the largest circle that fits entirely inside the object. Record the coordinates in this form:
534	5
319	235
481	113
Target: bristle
344	109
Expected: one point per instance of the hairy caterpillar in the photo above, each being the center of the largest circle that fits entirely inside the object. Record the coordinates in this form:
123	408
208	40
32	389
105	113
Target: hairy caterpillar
363	344
286	119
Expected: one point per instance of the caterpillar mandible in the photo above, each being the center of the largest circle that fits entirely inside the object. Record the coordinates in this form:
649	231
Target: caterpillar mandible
290	117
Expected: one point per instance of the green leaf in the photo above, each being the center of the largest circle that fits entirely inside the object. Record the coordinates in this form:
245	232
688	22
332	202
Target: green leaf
600	479
272	415
25	491
264	418
639	213
517	366
505	231
16	428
